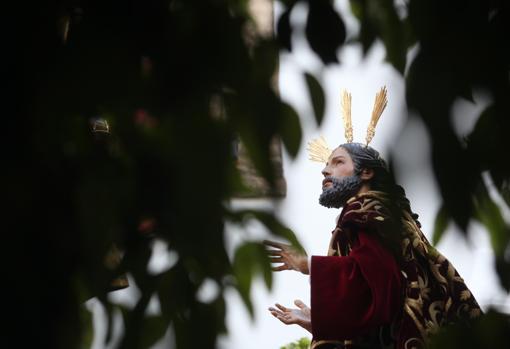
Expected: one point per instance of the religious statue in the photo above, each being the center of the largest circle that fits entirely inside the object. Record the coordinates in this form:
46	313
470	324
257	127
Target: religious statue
381	285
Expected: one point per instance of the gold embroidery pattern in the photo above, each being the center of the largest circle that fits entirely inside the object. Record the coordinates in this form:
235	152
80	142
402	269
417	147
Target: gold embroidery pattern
451	299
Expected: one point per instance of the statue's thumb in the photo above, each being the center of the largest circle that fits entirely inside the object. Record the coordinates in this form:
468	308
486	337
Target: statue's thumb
299	303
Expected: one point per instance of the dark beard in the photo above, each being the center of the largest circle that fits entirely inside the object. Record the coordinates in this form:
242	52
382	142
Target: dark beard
341	191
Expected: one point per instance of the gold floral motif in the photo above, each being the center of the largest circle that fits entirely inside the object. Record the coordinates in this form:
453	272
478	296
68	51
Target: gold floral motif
414	343
414	284
418	324
427	317
451	271
463	308
449	303
474	313
424	290
465	295
415	304
434	268
458	279
435	309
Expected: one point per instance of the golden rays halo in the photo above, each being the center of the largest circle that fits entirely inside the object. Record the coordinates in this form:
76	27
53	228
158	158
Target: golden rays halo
318	149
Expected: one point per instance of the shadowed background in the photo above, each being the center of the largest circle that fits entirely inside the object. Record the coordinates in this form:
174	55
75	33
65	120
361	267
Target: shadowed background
152	69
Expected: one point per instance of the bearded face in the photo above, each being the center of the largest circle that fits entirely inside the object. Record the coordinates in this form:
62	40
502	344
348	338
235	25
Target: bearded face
339	190
341	181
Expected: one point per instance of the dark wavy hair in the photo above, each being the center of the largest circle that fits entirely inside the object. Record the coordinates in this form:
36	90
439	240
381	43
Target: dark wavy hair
365	157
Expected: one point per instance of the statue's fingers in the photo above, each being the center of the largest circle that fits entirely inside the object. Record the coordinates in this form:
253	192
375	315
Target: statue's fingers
274	252
273	244
299	303
275	314
274	310
281	307
280	268
283	319
276	259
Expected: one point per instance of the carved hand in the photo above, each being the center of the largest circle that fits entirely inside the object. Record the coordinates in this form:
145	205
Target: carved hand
300	316
286	254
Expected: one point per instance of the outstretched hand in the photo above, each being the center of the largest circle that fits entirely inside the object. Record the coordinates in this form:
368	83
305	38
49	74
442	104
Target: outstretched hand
300	316
290	258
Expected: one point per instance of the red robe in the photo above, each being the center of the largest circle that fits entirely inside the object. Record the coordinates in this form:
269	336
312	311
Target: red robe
354	294
362	295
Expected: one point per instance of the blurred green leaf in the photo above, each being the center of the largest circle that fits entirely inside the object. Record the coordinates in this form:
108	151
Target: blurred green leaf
440	224
325	30
277	228
69	200
271	222
492	124
284	30
490	331
391	30
379	19
88	328
302	343
290	129
150	328
489	214
249	259
316	96
466	92
503	269
153	330
368	33
265	61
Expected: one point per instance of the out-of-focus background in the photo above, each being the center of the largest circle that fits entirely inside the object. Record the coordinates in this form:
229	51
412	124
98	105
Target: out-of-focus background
157	143
404	135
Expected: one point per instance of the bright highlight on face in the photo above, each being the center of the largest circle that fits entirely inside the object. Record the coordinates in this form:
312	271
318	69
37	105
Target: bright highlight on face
340	183
339	165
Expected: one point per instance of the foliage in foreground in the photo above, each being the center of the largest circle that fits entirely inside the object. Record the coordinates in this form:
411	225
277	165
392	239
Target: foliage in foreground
302	343
152	69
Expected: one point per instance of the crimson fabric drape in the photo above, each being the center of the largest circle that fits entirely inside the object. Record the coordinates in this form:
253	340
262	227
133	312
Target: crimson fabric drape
352	295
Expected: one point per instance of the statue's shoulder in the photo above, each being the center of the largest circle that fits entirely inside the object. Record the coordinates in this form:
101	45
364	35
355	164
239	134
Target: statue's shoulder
365	210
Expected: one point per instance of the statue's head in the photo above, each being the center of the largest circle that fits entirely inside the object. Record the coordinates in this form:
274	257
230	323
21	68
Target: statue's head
351	169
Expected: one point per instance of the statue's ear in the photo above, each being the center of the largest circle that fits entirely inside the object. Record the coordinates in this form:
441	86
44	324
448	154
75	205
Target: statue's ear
367	174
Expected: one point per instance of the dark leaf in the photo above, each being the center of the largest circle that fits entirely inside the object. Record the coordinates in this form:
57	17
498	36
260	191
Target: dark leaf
270	222
88	328
284	30
317	97
150	329
153	330
367	31
492	124
440	224
277	228
382	16
265	61
426	83
249	117
325	30
290	129
489	331
456	191
503	270
466	92
250	259
489	214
